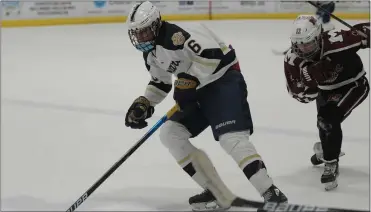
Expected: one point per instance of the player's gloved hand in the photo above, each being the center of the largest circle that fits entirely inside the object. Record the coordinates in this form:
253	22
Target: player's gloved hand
307	77
317	72
303	99
138	112
308	95
365	28
185	93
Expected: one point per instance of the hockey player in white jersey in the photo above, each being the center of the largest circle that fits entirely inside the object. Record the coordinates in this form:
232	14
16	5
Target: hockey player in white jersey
210	91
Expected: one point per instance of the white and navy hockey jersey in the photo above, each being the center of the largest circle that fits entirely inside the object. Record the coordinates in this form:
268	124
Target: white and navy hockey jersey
196	51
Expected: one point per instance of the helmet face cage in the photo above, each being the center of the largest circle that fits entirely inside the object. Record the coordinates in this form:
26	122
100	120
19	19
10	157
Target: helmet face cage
306	36
144	38
306	50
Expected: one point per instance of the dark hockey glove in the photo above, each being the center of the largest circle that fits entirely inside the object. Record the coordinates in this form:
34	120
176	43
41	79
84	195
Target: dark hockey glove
307	77
364	28
317	72
185	93
138	112
303	99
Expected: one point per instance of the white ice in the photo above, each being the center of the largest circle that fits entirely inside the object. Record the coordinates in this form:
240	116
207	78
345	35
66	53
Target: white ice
64	94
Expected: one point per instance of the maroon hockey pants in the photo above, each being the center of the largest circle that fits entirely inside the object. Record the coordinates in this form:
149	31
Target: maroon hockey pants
333	107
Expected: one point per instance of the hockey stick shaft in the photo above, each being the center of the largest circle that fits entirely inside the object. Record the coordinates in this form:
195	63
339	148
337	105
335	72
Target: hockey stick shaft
83	197
272	206
338	19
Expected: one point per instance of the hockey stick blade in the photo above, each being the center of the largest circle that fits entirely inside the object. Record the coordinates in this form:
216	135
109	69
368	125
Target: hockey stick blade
272	206
279	53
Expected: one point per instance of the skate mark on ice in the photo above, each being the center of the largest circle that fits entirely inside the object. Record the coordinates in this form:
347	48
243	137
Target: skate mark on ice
126	199
28	203
110	112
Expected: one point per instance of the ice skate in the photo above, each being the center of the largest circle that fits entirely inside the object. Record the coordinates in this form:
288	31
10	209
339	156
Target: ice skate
317	158
330	175
273	194
205	202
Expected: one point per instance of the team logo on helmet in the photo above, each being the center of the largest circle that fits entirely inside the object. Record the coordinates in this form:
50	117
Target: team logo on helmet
178	39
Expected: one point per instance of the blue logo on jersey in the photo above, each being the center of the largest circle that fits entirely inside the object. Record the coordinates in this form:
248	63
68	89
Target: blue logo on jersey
99	4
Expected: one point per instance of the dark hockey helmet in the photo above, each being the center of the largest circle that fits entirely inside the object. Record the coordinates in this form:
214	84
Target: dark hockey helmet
306	36
144	22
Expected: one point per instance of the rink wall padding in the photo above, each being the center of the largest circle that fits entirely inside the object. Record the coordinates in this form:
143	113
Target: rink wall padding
55	12
122	19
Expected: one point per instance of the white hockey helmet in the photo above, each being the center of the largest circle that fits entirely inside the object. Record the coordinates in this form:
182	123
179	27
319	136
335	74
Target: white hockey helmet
306	36
144	22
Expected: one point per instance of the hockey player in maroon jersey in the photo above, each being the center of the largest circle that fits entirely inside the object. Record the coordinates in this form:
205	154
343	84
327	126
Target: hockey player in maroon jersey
325	66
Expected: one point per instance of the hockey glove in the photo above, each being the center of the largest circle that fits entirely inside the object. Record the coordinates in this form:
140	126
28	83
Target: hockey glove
365	28
307	95
307	77
138	112
318	72
185	93
303	99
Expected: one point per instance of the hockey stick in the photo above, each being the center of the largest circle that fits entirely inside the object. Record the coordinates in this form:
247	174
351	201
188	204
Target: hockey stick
239	202
338	19
277	52
83	197
272	206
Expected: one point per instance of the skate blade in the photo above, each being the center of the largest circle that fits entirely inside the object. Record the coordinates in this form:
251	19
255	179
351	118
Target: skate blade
331	185
207	206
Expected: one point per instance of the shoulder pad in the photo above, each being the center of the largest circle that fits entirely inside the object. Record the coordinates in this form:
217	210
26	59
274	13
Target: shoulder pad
172	37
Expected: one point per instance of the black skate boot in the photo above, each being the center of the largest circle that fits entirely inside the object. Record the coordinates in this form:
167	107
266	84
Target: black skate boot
205	202
330	175
317	158
273	194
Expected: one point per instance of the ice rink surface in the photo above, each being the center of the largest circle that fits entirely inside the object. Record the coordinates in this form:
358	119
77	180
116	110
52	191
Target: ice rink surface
64	94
